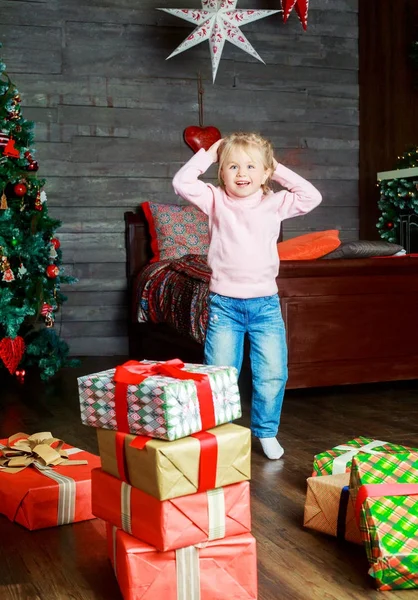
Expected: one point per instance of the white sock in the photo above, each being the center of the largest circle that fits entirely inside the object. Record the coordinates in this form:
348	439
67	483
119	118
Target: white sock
271	447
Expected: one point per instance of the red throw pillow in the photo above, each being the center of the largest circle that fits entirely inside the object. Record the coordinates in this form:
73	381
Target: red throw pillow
176	230
309	246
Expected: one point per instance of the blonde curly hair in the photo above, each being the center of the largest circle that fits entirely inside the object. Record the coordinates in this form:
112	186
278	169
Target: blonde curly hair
248	142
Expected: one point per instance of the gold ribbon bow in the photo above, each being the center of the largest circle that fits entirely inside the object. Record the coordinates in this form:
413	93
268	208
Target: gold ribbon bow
23	450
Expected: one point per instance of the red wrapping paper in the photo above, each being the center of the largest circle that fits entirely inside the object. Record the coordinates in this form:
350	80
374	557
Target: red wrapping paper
227	569
174	523
31	499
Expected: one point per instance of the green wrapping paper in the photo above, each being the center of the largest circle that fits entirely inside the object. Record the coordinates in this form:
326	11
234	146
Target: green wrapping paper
338	459
388	523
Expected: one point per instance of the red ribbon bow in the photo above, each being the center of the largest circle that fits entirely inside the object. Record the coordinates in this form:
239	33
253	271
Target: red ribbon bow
134	372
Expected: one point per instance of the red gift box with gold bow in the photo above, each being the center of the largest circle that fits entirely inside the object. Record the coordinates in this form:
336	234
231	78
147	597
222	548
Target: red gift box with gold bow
41	484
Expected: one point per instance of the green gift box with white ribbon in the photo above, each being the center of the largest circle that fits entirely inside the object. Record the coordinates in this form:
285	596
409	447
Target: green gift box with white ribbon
338	459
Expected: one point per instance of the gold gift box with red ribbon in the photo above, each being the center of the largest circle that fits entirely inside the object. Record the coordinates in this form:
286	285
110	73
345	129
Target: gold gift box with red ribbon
166	401
40	485
197	463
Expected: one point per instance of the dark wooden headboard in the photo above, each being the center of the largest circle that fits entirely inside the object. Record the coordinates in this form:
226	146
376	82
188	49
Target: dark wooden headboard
138	244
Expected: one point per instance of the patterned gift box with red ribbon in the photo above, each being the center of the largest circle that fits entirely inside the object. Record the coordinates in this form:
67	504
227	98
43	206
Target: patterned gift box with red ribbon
338	459
166	401
384	488
36	495
174	523
200	462
213	570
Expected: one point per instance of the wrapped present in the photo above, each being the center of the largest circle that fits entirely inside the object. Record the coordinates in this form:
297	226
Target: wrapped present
174	523
166	401
41	485
385	491
329	509
338	460
213	570
200	462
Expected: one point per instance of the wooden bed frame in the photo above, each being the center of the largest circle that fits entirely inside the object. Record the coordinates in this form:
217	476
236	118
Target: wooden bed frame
347	321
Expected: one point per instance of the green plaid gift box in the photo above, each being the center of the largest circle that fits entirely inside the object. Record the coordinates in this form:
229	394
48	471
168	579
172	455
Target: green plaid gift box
388	523
338	460
160	406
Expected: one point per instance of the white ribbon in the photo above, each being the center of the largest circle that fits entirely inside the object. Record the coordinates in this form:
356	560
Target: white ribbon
188	573
340	462
125	507
216	513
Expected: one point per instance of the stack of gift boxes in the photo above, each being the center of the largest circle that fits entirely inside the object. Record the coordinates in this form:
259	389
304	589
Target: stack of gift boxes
366	491
173	487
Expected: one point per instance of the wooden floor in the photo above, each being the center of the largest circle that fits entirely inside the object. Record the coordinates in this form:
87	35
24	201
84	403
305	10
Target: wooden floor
70	562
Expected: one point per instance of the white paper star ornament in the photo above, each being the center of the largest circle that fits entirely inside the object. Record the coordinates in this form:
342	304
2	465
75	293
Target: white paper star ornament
218	21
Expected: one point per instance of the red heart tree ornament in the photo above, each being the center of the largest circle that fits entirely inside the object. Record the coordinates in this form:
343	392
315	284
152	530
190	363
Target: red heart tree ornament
11	352
201	137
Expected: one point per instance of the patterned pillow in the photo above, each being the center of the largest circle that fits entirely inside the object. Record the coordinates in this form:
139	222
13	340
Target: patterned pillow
364	249
176	230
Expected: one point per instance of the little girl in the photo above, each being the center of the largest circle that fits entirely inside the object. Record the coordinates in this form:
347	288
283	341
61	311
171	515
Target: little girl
244	224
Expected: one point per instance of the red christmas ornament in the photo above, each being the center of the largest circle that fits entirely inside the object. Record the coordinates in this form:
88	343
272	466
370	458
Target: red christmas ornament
52	271
301	7
56	243
20	375
201	137
46	308
389	225
10	150
38	203
33	166
20	189
8	276
11	352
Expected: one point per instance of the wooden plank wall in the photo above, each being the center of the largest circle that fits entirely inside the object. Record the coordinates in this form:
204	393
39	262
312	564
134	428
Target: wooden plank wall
110	113
388	96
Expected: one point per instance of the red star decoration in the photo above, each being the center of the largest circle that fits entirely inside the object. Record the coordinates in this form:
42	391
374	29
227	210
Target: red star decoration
301	7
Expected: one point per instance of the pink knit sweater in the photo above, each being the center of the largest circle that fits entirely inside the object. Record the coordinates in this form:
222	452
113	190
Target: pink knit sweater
243	232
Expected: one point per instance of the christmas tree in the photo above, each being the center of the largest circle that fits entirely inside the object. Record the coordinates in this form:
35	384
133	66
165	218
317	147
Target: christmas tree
30	254
398	196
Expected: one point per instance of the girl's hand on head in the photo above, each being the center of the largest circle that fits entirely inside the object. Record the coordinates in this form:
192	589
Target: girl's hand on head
213	150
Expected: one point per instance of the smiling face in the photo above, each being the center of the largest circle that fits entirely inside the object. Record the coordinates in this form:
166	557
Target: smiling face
243	171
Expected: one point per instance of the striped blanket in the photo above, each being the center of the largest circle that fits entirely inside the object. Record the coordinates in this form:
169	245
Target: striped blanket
175	292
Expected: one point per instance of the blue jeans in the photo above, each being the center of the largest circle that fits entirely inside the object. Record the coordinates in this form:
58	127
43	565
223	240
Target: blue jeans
261	318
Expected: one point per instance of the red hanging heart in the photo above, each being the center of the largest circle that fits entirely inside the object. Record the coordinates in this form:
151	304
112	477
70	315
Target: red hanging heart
201	137
11	352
